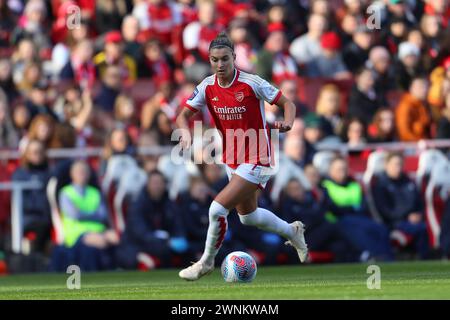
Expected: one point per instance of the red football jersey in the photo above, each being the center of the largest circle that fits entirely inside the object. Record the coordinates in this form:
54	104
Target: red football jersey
238	113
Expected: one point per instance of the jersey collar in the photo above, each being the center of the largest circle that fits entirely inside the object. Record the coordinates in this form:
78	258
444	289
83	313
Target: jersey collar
236	71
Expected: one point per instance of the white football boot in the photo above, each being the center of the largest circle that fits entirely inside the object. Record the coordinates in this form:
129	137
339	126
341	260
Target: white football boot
298	240
196	271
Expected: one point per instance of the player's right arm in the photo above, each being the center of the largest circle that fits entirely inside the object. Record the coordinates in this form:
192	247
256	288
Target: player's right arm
194	104
183	124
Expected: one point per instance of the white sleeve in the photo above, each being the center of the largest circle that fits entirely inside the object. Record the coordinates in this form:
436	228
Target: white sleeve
197	100
264	90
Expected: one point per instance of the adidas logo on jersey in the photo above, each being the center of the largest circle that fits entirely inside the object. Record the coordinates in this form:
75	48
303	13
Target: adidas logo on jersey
216	98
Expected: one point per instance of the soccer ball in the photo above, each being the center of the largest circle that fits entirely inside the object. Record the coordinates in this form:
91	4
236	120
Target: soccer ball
238	266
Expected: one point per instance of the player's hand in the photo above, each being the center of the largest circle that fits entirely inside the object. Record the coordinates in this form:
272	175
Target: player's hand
283	126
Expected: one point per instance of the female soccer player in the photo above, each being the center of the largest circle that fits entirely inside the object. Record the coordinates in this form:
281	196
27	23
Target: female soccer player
235	100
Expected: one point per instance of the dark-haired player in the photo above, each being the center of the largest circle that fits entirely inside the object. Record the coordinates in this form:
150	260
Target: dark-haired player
235	100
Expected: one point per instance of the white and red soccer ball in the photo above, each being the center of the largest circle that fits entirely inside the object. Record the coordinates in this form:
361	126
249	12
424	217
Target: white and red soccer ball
238	266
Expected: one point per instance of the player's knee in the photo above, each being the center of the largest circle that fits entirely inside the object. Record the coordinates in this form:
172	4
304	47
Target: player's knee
250	219
216	210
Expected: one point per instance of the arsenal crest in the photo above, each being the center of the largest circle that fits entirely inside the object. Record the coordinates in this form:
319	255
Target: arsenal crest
239	96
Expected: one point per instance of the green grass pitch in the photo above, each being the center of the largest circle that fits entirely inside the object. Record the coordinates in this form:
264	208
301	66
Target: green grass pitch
401	280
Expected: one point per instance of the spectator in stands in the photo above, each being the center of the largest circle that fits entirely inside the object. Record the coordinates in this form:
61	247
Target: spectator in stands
125	116
109	15
307	47
6	80
244	45
25	53
21	118
77	112
394	34
324	8
38	100
85	222
273	62
398	201
356	53
354	133
313	131
8	135
443	129
164	23
154	228
329	63
214	176
163	101
348	205
110	89
383	72
321	235
113	54
439	86
411	115
328	108
118	142
80	67
41	129
130	31
154	64
62	51
430	27
290	89
364	101
148	162
382	128
32	76
407	66
297	143
396	9
32	25
196	38
7	23
36	209
348	25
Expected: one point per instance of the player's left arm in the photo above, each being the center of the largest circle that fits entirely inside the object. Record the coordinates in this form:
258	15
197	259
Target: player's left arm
289	114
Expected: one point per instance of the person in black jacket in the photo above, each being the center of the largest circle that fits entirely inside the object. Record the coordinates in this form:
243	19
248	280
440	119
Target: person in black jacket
36	209
364	101
356	53
397	199
154	227
322	233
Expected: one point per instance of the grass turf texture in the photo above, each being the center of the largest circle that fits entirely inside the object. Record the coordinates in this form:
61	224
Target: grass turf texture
403	280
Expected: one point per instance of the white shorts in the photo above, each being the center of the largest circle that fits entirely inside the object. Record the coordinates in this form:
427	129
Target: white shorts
253	173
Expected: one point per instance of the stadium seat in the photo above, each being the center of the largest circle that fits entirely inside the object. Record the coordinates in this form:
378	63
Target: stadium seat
287	170
322	161
177	175
130	184
375	165
117	165
427	160
435	196
115	169
57	226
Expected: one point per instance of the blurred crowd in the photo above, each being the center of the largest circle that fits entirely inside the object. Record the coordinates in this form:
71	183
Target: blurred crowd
115	73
